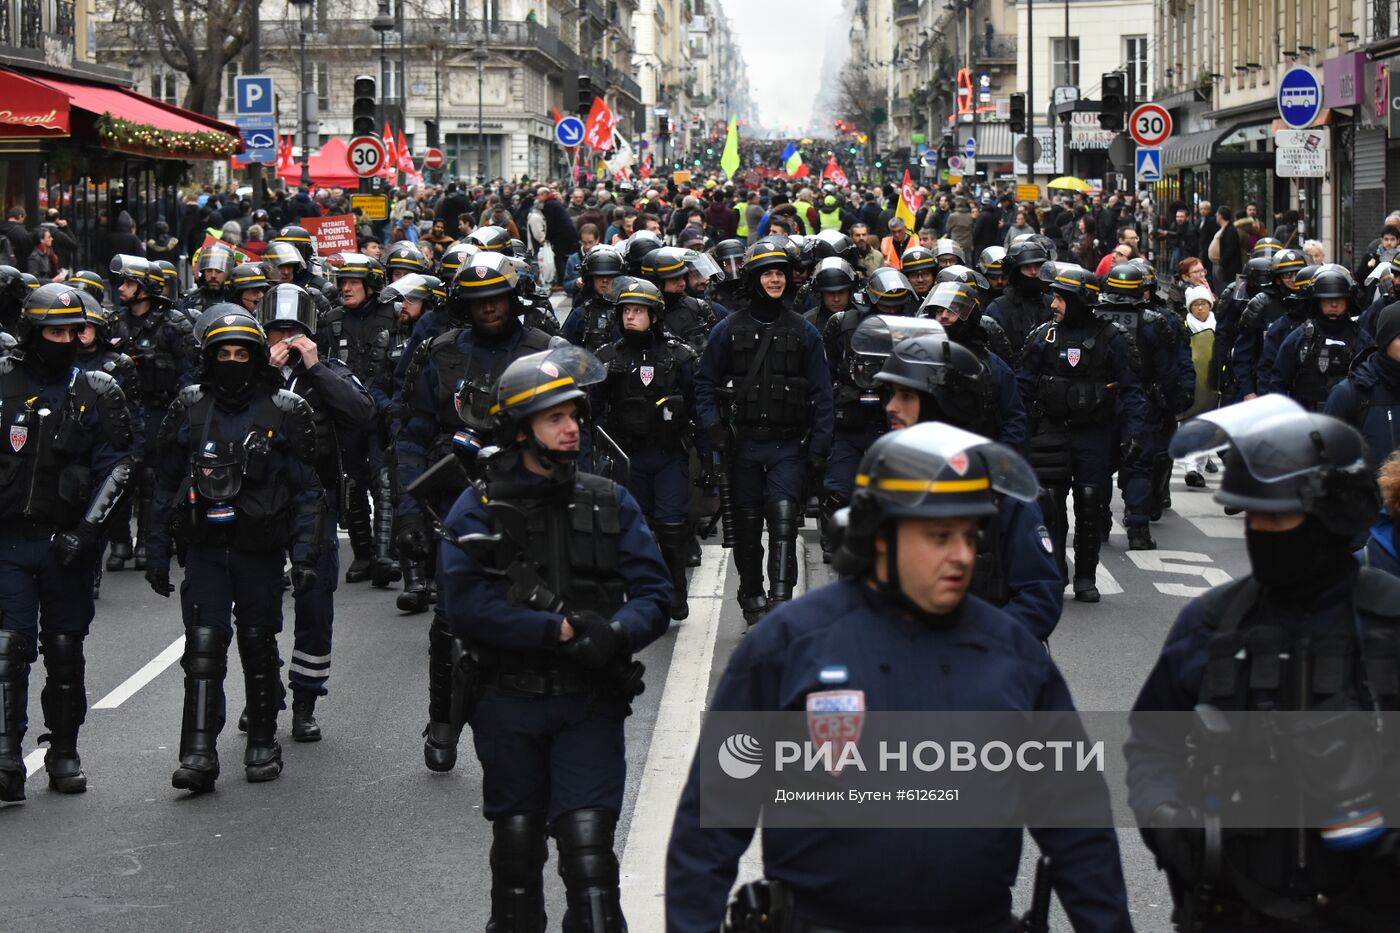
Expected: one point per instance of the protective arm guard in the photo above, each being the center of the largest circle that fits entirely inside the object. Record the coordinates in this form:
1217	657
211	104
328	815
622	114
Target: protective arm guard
297	428
105	500
111	409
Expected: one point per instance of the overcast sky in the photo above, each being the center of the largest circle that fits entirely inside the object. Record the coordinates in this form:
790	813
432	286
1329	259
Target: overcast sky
783	45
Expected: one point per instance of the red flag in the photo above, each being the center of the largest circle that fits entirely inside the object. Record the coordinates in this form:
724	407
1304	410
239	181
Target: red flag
558	116
803	171
405	160
645	170
833	171
598	131
284	155
906	191
391	154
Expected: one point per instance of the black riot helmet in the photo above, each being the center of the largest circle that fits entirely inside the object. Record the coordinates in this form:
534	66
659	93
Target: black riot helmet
1258	274
961	298
1265	247
226	323
947	376
84	280
992	262
299	238
875	338
12	284
138	269
1287	262
491	239
280	254
484	275
636	247
889	291
833	274
827	243
537	382
665	263
288	305
918	259
1124	285
602	260
1027	252
452	258
413	287
219	258
168	270
99	317
928	470
949	252
767	253
729	254
1283	458
1333	281
405	257
55	304
359	266
1072	281
247	277
968	276
630	290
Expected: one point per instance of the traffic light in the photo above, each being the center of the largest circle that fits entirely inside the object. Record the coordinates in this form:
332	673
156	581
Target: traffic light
1018	113
853	150
663	126
585	94
879	163
432	130
365	108
1111	101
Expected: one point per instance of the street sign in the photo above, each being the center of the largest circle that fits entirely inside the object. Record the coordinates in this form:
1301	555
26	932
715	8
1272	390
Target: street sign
1300	153
1149	164
955	165
970	148
371	206
268	123
1120	151
1301	139
365	155
569	131
253	95
1150	124
434	159
1299	97
931	158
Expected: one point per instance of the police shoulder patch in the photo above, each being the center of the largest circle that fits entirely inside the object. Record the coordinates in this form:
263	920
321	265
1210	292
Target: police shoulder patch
1045	540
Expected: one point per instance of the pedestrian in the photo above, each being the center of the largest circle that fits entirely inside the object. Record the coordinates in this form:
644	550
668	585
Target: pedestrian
960	227
42	262
1200	323
1381	550
1017	228
12	229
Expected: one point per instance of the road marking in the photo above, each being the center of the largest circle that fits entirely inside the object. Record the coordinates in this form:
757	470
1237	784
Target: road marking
153	668
1102	579
678	719
33	762
1189	563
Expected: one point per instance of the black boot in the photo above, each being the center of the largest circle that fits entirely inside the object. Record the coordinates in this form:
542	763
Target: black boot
748	560
142	507
693	556
441	734
673	540
357	523
589	868
119	554
1087	511
65	707
305	728
16	654
414	597
262	676
1140	538
385	572
206	663
1161	485
783	520
832	502
518	853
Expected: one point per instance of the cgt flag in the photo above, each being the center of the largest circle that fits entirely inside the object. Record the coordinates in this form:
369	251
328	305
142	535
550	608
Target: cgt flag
391	154
908	201
598	131
833	171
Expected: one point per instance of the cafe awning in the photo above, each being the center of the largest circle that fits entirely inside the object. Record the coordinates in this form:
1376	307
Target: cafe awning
45	107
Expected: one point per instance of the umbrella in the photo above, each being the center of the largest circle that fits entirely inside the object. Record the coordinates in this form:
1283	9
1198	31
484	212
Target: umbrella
1070	183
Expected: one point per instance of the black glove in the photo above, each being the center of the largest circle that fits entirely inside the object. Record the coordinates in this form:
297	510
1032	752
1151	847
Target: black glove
413	536
718	438
74	543
596	641
159	579
303	577
1177	837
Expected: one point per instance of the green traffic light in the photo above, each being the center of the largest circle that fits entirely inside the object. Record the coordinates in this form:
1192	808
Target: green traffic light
879	164
697	162
853	150
709	151
675	165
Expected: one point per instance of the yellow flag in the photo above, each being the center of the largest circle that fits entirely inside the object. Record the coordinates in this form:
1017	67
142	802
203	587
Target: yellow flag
905	209
730	160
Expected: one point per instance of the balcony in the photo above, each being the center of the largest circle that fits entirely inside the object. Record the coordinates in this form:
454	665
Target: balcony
31	24
999	49
901	107
905	9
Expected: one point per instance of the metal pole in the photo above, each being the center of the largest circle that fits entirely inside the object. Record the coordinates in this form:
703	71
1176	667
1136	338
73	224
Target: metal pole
252	62
437	105
480	113
301	102
1030	89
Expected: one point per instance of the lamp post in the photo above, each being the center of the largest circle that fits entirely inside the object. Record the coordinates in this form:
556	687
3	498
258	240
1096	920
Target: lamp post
479	55
382	23
304	8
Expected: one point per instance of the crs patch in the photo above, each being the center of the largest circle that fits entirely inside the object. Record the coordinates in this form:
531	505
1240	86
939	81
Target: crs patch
1073	355
647	374
835	717
18	435
1045	540
549	369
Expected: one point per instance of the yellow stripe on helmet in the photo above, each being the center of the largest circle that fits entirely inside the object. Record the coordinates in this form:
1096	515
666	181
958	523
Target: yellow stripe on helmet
1065	281
495	281
528	394
766	255
240	329
645	295
923	485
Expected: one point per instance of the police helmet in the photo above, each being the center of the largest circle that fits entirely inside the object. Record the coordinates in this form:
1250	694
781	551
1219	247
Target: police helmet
298	237
1025	252
168	270
1072	280
960	298
1302	281
282	253
412	287
484	276
1333	281
30	280
1265	247
230	323
601	260
218	258
768	253
630	290
927	470
636	247
539	381
12	284
833	274
701	264
490	238
918	259
1149	274
730	256
1283	458
288	305
1124	285
452	258
359	266
406	256
800	259
963	274
99	317
947	372
947	246
1287	261
827	243
889	287
1258	273
665	263
83	280
128	268
247	277
992	262
55	304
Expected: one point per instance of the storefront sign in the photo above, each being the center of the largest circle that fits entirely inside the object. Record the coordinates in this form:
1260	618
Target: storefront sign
1085	132
1344	80
1393	96
49	120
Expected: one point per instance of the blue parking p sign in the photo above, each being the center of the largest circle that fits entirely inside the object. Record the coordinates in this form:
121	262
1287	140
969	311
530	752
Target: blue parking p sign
253	95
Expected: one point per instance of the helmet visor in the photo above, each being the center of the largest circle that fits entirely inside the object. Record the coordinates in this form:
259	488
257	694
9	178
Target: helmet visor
878	334
701	264
957	297
1252	428
918	465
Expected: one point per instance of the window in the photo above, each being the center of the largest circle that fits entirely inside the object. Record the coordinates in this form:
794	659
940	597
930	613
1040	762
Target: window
230	81
163	85
391	81
321	77
1064	68
1135	54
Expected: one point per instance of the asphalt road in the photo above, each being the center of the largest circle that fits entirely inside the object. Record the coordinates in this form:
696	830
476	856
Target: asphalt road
358	836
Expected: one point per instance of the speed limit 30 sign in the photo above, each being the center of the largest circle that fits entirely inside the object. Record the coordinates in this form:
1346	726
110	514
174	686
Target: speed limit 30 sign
1150	124
365	155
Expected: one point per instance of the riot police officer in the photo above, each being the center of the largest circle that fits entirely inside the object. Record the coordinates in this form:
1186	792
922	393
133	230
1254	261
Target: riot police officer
729	256
284	262
1315	357
340	408
65	461
948	252
490	239
930	378
991	262
636	248
13	293
1308	629
445	410
764	374
834	282
702	274
358	333
920	267
1229	310
1263	310
1077	382
647	403
247	285
1025	304
1369	398
405	258
236	492
686	318
1297	307
899	631
162	344
305	275
83	280
553	673
213	271
592	323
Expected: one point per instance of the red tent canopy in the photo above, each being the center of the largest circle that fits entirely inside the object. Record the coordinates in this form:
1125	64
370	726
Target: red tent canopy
328	168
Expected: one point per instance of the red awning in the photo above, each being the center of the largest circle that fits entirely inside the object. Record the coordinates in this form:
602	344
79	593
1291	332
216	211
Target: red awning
328	167
31	108
137	108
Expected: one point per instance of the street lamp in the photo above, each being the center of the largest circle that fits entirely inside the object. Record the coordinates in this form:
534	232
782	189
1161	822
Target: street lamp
480	55
383	23
304	8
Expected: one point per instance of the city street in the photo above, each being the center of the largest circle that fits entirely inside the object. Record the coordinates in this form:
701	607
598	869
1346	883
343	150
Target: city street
358	835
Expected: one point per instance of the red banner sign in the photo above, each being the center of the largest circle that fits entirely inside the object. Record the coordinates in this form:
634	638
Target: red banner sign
332	234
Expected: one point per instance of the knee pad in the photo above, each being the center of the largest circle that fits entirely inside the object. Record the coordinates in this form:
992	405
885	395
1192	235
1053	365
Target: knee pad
206	653
16	649
518	850
783	516
586	857
257	646
1089	501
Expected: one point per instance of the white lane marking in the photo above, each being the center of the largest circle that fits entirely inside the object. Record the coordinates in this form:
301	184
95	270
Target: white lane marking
1189	563
33	762
153	669
673	738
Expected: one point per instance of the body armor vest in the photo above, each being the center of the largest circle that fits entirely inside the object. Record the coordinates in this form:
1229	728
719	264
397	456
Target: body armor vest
774	405
858	403
329	459
1323	361
360	339
475	367
1076	388
1023	313
151	345
689	319
600	324
989	580
645	405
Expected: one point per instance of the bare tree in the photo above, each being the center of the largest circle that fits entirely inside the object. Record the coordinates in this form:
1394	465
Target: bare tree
857	96
197	40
